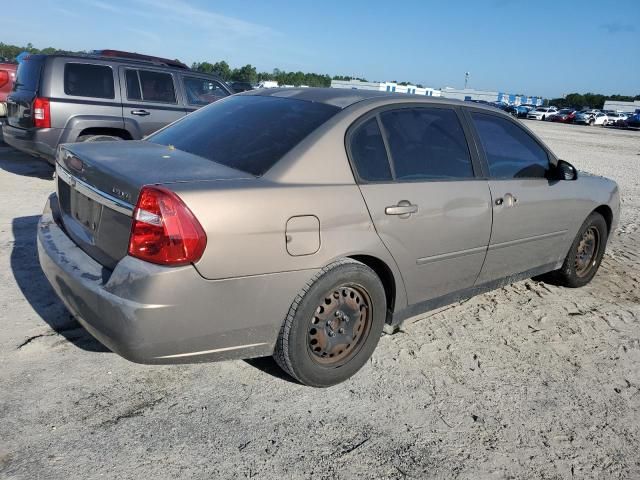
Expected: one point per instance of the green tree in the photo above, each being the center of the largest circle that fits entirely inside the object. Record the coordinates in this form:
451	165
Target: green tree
222	69
245	74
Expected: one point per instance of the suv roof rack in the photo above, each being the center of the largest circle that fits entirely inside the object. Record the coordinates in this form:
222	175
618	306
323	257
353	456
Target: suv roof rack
139	56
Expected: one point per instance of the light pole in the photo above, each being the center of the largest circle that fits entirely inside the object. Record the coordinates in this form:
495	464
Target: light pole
466	79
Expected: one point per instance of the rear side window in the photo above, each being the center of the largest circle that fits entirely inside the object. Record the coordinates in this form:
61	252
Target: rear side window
85	80
511	152
202	91
28	74
246	132
369	154
427	143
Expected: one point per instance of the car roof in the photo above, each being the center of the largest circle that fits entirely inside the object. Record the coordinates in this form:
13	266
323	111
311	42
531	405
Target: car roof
343	98
124	60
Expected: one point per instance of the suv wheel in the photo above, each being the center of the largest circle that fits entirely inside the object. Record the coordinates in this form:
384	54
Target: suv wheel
333	325
98	138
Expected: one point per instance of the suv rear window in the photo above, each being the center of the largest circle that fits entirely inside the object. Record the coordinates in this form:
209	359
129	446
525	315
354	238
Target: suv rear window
28	74
86	80
247	132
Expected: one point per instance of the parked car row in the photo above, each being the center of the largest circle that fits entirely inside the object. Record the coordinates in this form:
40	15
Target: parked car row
588	117
567	115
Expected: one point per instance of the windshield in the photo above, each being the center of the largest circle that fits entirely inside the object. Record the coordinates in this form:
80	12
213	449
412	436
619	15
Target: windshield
541	109
565	110
246	132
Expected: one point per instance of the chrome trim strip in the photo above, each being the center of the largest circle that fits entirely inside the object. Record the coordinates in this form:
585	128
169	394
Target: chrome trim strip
448	256
93	193
519	241
204	352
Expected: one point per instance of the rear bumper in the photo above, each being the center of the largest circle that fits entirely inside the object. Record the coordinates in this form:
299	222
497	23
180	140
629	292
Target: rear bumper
153	314
37	142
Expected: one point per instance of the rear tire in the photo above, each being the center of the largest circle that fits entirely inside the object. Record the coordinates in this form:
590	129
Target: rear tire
333	326
585	255
98	138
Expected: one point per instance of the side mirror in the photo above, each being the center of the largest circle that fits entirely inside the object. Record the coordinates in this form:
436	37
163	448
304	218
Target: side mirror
565	171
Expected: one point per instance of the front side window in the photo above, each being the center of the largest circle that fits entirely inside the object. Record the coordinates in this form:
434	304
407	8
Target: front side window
511	152
427	143
369	154
150	86
202	91
85	80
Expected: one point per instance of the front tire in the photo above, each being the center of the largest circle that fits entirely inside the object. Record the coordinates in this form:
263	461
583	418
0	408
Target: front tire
333	326
585	255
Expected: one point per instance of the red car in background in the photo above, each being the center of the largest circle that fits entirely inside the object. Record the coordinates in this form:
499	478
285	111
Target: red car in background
566	115
7	79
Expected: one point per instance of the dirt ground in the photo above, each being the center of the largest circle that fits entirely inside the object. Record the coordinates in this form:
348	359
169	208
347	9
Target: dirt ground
529	381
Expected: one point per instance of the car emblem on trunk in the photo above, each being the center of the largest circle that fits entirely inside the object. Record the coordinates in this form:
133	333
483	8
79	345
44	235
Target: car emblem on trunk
121	194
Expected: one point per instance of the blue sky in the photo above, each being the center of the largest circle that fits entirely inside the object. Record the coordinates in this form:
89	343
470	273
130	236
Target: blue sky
538	47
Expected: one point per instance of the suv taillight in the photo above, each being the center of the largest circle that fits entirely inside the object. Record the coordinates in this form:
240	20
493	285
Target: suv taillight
164	230
4	78
41	113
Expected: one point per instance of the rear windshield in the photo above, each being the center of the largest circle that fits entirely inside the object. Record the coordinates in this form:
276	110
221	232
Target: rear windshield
249	133
28	74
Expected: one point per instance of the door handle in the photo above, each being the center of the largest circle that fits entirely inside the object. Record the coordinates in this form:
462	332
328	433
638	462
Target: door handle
142	113
403	209
509	200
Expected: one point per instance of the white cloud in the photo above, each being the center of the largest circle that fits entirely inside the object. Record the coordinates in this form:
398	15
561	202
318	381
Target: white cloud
179	10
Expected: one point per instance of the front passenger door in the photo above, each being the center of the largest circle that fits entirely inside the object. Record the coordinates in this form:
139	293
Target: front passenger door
531	214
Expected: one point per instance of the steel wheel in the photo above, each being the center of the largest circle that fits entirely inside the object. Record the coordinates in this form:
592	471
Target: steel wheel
586	255
340	325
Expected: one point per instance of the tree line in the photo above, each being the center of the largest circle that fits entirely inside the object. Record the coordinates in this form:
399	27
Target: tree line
591	100
249	73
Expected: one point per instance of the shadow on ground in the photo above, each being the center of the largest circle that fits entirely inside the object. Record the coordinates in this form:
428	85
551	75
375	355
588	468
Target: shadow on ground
269	366
36	289
20	163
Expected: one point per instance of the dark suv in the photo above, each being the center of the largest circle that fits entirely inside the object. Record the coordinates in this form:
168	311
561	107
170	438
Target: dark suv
107	95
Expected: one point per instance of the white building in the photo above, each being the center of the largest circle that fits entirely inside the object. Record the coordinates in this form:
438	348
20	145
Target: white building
621	106
385	87
488	96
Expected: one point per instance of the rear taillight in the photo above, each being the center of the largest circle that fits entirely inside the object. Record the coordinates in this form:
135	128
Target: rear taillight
41	113
164	230
4	78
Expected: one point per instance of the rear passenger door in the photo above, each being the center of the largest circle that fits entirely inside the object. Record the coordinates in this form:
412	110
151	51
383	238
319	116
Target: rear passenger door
418	178
531	214
150	99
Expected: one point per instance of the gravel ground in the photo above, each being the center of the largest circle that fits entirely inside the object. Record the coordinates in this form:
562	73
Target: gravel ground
529	381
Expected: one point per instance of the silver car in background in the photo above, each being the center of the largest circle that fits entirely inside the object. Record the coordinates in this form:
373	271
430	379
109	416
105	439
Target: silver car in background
297	222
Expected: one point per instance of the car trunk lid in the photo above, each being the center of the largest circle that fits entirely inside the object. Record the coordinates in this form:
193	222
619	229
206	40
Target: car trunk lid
98	186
